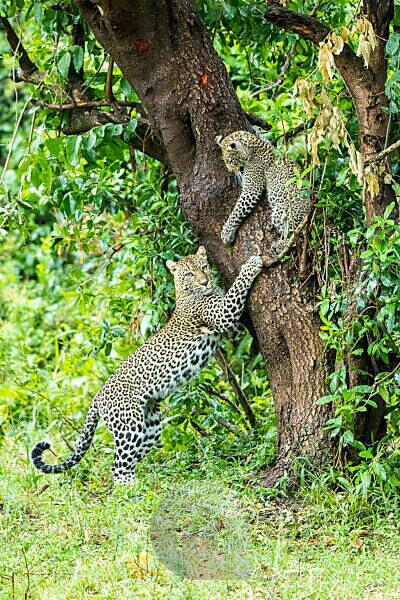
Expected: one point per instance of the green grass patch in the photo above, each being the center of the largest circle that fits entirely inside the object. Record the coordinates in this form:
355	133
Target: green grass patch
188	529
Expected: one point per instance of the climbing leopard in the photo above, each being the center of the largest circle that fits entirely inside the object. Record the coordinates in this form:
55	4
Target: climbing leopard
261	172
129	401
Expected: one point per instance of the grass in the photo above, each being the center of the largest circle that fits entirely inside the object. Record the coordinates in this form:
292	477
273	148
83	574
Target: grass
191	528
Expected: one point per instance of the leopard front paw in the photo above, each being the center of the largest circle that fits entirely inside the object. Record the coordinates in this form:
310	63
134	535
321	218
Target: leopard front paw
254	264
228	234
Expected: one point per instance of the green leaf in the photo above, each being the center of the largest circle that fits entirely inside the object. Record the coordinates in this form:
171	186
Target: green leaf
348	437
391	206
327	399
72	149
380	471
393	44
77	57
63	64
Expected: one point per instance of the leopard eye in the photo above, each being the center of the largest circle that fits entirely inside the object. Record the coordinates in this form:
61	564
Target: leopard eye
189	274
233	145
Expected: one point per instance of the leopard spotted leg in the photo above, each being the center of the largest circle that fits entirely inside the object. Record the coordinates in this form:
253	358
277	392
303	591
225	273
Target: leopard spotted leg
126	423
221	314
252	190
152	429
128	444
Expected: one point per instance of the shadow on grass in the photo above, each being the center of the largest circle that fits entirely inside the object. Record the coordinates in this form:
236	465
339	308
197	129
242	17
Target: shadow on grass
200	530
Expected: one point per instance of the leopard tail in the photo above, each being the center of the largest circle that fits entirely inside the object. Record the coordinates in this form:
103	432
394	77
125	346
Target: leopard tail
85	439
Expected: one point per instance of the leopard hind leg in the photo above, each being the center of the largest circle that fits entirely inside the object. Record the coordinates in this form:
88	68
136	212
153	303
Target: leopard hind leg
126	423
152	428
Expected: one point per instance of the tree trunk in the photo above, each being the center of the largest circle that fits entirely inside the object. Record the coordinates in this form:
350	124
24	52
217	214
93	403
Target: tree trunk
164	51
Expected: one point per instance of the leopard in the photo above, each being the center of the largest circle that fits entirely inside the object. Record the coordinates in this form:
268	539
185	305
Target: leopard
261	172
129	401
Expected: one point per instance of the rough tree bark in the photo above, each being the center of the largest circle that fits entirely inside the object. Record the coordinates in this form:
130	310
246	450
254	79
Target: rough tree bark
164	51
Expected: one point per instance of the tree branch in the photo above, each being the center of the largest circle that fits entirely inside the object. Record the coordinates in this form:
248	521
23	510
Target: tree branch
145	139
384	153
310	28
288	135
258	121
88	105
18	50
239	393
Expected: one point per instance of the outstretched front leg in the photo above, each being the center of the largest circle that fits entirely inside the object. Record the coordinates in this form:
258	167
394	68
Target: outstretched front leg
252	189
222	314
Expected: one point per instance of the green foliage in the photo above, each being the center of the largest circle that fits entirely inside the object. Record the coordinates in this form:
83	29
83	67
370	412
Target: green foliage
86	227
369	312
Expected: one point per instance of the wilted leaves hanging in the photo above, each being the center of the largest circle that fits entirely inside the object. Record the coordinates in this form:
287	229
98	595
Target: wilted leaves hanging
367	40
331	45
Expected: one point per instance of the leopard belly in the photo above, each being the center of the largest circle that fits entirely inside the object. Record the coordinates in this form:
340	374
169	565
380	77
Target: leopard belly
182	363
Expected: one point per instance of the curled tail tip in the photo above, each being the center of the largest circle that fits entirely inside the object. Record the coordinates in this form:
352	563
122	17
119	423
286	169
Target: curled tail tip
39	449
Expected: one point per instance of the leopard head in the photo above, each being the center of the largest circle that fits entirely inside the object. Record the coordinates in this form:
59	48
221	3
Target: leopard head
237	149
192	274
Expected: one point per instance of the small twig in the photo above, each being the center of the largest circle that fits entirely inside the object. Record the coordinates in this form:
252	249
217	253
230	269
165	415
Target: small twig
303	255
42	489
284	70
228	401
198	427
240	395
76	79
383	154
232	428
288	135
28	586
109	91
290	55
11	147
95	74
68	444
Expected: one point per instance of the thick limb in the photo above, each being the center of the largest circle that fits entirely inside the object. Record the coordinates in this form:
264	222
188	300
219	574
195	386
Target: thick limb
126	423
253	187
221	314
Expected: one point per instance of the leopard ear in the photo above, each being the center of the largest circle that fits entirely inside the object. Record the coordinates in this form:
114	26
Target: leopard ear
218	139
201	253
171	265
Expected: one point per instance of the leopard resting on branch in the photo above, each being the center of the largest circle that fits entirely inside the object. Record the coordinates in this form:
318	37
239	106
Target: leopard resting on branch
129	401
261	172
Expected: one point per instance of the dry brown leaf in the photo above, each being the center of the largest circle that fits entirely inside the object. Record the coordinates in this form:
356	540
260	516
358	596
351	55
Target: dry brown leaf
345	34
356	542
372	183
356	163
307	91
367	41
326	62
332	44
362	532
